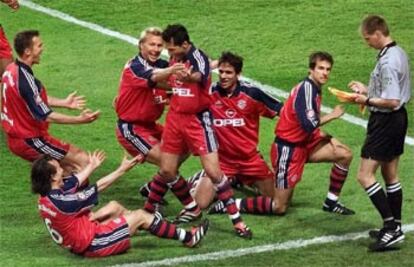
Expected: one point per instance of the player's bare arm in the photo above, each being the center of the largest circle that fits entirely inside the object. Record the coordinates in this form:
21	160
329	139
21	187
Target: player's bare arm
337	112
86	116
125	166
377	102
161	75
189	76
72	101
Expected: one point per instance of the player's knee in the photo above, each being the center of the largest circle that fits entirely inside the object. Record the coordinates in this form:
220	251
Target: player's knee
365	179
280	209
168	174
141	218
348	156
115	205
202	202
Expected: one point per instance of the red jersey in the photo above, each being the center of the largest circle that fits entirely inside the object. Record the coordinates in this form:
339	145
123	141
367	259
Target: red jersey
191	98
138	100
5	49
66	214
24	103
300	115
236	118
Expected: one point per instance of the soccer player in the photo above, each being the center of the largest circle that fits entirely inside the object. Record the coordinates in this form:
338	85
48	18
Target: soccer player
388	91
6	53
66	210
299	139
236	109
139	103
26	111
188	127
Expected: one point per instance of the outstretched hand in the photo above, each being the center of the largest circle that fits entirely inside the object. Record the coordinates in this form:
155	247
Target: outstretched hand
358	87
338	111
96	158
185	74
74	101
126	164
88	116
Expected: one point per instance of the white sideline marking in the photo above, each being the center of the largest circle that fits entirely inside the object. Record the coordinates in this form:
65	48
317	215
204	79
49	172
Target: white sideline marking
299	243
134	41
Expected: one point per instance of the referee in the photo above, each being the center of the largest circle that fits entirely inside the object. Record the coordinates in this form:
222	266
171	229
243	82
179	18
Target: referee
387	93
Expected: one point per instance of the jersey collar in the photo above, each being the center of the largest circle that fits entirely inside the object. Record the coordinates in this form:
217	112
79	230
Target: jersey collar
313	84
223	92
24	66
385	49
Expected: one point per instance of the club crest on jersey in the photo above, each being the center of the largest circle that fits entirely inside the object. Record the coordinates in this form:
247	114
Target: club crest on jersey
241	104
310	114
230	113
38	99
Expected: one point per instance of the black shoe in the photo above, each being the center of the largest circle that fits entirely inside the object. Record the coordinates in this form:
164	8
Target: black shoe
387	238
145	190
375	234
337	208
217	208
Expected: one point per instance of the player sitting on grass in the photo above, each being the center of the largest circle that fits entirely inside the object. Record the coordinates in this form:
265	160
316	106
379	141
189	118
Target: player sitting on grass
66	206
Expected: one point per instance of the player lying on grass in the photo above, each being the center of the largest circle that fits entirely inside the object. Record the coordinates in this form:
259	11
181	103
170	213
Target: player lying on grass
65	206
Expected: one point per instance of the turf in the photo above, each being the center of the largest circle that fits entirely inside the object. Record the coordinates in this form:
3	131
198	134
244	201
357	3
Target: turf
275	38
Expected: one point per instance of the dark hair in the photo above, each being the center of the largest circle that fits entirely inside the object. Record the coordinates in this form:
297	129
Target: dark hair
319	56
42	172
24	40
235	60
373	23
177	33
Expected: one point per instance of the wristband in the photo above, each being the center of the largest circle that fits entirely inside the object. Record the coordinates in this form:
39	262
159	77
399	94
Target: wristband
367	102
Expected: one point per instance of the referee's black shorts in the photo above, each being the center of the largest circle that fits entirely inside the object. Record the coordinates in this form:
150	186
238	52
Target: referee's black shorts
385	135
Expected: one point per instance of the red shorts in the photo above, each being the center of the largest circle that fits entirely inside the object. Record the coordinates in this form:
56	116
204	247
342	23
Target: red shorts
32	148
189	132
137	138
289	159
247	171
110	239
5	49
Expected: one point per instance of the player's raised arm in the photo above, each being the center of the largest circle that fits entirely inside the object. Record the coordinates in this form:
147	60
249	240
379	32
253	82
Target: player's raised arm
86	116
337	112
125	166
72	101
95	160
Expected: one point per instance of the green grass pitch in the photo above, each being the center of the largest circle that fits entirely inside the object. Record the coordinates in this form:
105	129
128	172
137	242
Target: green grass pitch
275	39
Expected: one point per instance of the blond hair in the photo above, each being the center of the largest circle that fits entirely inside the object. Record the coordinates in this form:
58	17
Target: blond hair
156	31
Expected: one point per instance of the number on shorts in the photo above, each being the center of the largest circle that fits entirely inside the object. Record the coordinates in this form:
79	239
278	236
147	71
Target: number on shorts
56	236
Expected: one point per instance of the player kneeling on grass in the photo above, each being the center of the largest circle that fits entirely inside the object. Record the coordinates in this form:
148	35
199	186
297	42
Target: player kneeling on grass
65	205
300	140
